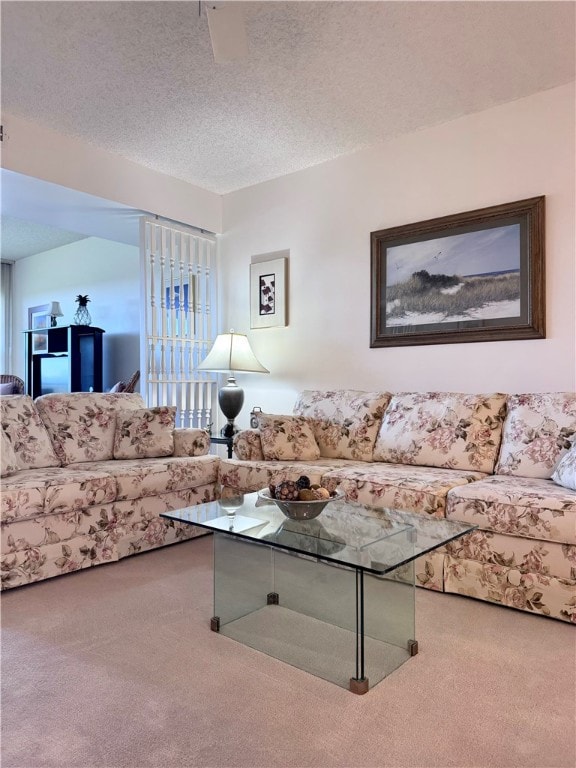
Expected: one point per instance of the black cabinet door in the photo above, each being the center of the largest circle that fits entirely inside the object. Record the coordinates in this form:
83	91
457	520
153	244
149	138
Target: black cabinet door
64	359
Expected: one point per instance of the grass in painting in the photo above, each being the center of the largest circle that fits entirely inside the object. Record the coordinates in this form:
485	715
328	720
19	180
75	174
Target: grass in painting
449	295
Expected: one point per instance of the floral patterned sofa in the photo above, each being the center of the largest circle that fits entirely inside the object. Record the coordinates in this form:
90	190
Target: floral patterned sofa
85	476
489	459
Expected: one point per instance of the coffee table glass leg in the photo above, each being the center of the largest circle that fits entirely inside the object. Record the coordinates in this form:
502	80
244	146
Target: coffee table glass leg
243	579
359	683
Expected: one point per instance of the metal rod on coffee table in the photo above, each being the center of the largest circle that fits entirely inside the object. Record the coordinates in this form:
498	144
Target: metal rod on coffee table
359	684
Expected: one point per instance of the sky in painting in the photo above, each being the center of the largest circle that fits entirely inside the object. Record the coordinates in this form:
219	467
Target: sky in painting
489	250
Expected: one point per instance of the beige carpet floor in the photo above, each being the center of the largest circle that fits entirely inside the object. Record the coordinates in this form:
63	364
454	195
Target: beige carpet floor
117	667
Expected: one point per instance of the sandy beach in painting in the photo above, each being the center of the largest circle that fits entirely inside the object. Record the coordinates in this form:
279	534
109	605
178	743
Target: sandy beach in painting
495	309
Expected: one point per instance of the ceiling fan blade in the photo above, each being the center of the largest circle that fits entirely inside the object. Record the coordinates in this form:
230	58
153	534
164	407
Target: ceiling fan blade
228	34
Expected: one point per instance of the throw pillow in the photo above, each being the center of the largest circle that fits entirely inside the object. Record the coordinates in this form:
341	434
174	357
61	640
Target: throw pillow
287	438
442	429
538	428
145	433
8	461
82	424
565	472
7	388
21	420
345	422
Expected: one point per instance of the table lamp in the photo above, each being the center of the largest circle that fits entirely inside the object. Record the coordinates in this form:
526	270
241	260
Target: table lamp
231	352
55	311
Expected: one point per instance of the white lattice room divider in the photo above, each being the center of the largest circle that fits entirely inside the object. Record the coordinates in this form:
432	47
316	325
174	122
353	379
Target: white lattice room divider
179	295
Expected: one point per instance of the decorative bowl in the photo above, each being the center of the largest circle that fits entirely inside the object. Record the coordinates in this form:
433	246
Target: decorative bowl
300	510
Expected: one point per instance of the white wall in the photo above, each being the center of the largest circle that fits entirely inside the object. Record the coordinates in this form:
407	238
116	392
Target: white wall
109	273
36	151
324	216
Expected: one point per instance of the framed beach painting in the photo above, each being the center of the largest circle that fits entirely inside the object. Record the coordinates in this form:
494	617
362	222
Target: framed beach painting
268	293
475	276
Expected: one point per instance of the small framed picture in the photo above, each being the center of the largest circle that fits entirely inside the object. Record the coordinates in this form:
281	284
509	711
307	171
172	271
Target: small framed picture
38	318
268	294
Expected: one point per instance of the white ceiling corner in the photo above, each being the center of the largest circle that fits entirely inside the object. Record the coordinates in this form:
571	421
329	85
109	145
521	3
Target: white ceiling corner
311	80
321	79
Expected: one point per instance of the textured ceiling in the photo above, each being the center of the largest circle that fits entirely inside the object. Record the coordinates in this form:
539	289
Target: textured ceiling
322	79
25	238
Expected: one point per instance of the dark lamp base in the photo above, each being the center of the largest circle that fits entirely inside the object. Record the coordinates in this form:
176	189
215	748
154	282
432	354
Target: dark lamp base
229	430
231	400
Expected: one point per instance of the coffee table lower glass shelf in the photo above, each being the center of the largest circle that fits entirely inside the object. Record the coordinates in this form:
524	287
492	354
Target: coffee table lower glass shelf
333	596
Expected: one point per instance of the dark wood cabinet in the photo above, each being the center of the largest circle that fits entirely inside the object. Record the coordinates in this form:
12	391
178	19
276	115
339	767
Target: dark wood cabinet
63	359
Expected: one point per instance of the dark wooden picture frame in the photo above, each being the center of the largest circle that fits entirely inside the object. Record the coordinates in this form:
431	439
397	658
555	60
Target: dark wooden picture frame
474	276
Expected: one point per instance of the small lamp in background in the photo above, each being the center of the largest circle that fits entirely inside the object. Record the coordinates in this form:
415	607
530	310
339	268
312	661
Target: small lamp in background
55	311
231	352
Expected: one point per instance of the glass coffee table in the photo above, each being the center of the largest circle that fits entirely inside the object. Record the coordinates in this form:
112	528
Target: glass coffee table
334	596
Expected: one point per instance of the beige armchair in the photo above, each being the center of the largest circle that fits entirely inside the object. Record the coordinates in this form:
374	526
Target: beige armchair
16	381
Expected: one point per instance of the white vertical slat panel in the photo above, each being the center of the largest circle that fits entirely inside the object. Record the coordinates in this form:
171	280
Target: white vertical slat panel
164	235
196	357
183	326
202	297
179	332
151	387
208	386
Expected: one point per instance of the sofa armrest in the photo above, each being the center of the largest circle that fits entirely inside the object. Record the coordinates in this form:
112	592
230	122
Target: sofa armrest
247	445
191	442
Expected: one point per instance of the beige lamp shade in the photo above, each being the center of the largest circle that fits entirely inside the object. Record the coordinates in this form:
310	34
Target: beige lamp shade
232	352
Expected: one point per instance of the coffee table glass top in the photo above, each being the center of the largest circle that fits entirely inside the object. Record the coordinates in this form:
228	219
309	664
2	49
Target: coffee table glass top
373	540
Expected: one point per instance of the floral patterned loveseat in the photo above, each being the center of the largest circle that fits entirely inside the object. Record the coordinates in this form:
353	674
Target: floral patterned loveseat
85	477
487	459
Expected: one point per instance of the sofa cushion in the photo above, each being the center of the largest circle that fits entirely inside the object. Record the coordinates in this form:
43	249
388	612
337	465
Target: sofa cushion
254	475
81	425
442	429
532	507
22	496
35	492
145	433
39	530
8	461
565	472
287	438
7	388
139	478
345	422
412	489
30	440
